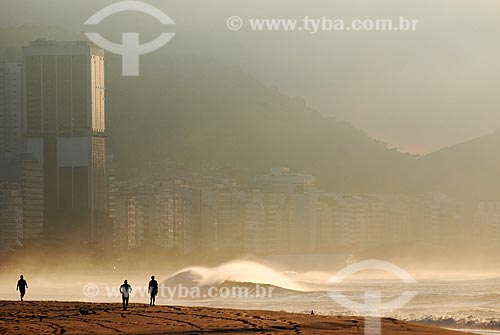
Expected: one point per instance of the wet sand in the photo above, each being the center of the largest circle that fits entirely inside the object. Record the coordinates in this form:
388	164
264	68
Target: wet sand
47	317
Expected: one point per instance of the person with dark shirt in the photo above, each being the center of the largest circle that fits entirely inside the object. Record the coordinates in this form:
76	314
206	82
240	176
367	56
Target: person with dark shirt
153	290
22	285
125	290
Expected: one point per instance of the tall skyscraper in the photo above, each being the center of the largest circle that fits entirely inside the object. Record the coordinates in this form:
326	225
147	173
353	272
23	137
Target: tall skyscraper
64	127
11	104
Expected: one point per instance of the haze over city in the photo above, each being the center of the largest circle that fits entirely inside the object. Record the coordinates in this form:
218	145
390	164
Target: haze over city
418	93
267	166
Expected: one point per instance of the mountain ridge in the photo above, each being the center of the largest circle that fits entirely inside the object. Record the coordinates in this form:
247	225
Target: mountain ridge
195	110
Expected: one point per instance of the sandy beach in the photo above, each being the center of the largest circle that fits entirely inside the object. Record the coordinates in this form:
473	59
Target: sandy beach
47	317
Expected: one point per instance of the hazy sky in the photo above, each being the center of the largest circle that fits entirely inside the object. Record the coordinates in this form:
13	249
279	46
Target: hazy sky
418	91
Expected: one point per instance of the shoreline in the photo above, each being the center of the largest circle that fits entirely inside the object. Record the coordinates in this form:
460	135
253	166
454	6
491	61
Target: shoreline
72	318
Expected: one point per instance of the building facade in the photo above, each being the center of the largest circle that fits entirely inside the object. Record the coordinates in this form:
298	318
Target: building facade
301	198
33	193
11	216
266	223
64	126
11	107
127	230
486	225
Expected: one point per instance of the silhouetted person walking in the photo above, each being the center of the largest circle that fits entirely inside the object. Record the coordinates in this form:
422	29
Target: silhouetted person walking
22	285
153	290
125	290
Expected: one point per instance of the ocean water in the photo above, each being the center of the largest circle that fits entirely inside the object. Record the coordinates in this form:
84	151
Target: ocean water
463	304
468	305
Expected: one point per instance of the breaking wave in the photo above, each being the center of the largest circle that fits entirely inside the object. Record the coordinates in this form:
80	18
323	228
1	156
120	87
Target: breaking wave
239	271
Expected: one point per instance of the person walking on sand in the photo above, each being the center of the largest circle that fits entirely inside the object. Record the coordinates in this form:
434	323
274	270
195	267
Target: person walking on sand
153	290
22	285
125	290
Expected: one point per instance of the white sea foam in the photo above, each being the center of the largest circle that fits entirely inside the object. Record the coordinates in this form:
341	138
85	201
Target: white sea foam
242	271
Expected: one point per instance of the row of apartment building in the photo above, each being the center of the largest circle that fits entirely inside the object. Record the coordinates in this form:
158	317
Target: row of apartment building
24	188
274	217
53	139
283	213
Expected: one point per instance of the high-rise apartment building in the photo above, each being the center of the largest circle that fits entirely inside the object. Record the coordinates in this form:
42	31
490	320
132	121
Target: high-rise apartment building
171	220
11	216
301	198
32	190
11	104
127	230
486	223
266	226
64	126
221	220
189	232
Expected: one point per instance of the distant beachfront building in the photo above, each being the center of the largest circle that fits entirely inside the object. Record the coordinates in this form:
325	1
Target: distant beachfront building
327	230
128	229
154	216
276	215
486	225
26	171
111	194
438	222
388	222
301	201
287	217
189	233
265	221
65	129
222	222
33	197
172	220
11	107
11	216
148	205
341	217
